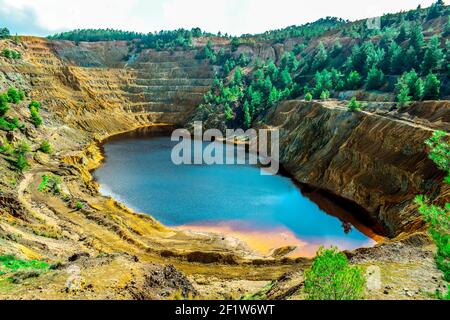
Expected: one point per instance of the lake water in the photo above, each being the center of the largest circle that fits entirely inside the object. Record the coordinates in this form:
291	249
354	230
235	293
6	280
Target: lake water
266	212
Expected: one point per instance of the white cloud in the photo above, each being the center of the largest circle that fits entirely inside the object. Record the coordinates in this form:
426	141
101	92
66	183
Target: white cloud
232	16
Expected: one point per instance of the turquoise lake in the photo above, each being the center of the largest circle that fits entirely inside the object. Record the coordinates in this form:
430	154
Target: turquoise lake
265	211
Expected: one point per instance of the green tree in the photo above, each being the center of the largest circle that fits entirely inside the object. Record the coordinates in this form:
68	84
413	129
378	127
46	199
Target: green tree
416	38
353	80
447	28
410	59
432	87
237	76
228	113
235	42
286	79
375	78
308	96
4	33
325	95
337	48
436	9
402	35
403	96
320	58
332	278
247	115
418	90
433	58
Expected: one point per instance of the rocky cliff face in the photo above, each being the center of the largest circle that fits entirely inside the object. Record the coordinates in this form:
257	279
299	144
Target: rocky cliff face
375	158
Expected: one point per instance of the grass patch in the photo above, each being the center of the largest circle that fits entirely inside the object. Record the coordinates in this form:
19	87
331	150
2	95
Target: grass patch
10	264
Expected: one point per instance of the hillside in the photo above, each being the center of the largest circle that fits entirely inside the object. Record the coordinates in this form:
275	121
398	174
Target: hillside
72	95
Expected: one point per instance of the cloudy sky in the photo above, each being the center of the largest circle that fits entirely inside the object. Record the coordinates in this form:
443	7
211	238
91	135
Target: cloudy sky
43	17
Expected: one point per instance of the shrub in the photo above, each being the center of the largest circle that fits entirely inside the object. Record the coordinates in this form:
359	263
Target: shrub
7	148
6	53
45	147
35	118
23	147
21	163
34	104
354	105
9	263
8	125
79	205
332	278
13	95
308	96
325	95
50	183
4	107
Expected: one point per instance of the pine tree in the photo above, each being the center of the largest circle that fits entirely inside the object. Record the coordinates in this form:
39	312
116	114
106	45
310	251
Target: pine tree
403	97
353	80
432	87
436	10
398	61
432	60
247	115
337	48
410	59
286	79
447	28
416	38
237	76
375	78
274	96
419	90
402	36
320	59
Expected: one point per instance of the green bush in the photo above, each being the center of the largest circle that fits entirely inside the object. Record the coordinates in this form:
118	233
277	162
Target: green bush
332	278
23	147
45	147
354	105
50	183
325	95
35	104
10	264
35	118
6	53
308	96
14	96
21	163
6	125
79	205
7	148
